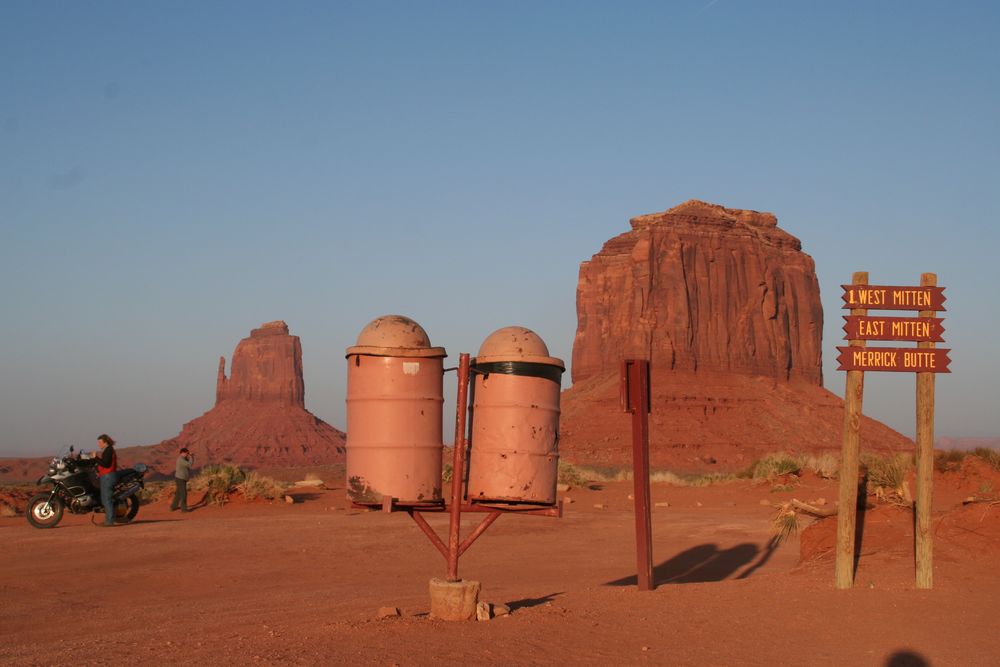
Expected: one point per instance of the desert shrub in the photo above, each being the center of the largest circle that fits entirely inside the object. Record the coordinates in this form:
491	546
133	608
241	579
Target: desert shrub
781	488
570	474
949	460
447	472
888	472
990	456
825	465
256	486
153	492
784	523
772	466
692	479
218	481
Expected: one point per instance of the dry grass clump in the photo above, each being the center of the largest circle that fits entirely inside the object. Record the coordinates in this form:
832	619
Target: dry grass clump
582	475
218	481
825	465
773	466
222	481
887	477
256	486
990	456
949	461
153	492
784	523
6	510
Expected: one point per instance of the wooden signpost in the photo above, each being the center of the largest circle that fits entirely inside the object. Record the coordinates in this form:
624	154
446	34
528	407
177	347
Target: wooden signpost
925	360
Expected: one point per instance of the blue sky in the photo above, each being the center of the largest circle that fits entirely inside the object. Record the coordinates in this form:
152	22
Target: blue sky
174	174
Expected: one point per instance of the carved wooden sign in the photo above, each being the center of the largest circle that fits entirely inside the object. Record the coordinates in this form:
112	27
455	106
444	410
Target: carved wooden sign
901	359
892	297
919	329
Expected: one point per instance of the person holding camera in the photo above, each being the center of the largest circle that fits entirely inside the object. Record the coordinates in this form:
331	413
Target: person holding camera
182	473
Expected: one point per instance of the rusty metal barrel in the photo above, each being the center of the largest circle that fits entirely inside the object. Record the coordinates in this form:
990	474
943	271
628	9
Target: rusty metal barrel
514	455
395	384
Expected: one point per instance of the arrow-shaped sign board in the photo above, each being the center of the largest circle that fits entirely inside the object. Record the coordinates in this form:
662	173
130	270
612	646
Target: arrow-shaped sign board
919	329
901	359
890	297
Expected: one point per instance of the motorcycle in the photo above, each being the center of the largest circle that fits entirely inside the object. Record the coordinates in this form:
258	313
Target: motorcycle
75	487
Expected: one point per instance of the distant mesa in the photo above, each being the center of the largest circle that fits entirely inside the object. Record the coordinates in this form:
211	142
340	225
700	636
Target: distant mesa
727	308
259	418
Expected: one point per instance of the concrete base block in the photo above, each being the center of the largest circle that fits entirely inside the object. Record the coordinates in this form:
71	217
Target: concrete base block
454	600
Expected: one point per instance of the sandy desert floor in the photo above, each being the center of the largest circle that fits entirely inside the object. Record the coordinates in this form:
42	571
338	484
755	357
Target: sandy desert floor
259	583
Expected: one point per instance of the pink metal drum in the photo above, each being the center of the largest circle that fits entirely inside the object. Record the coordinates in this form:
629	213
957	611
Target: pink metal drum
394	402
514	455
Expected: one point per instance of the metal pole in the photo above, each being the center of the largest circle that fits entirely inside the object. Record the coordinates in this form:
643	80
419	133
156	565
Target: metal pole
635	379
458	466
924	543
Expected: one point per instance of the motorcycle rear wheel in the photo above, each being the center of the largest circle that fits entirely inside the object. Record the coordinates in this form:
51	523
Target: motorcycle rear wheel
126	510
44	511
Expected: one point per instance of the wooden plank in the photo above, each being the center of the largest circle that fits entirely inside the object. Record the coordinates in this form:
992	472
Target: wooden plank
918	329
924	551
896	359
847	509
894	297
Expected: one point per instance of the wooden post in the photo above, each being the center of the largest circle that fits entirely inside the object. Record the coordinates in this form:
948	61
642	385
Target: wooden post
635	399
847	511
925	461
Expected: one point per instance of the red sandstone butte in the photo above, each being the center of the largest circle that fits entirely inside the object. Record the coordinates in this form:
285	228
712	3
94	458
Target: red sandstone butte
259	418
726	307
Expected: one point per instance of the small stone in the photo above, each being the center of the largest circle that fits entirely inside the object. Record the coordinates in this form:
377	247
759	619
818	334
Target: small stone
698	504
483	611
598	506
563	487
568	500
309	482
387	612
289	499
819	502
645	648
501	610
631	497
663	504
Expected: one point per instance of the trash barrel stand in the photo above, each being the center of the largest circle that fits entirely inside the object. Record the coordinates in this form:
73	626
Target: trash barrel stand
395	398
514	454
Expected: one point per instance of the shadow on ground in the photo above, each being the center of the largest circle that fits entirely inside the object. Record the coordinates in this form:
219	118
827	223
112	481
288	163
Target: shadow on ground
707	562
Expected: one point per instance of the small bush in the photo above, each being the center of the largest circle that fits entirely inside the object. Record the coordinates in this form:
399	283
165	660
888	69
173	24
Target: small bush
772	466
219	481
949	461
447	472
570	474
153	492
825	465
990	456
889	473
256	486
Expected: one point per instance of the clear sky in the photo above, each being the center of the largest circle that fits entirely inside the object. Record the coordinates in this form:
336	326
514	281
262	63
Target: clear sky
174	174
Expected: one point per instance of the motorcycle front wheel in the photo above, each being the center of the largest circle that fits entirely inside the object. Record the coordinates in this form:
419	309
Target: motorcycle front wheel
125	510
44	511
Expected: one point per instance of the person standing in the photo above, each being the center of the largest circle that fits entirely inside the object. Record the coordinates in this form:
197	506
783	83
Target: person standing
182	473
107	475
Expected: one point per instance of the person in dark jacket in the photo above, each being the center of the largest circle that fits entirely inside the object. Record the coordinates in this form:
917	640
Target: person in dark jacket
107	475
182	473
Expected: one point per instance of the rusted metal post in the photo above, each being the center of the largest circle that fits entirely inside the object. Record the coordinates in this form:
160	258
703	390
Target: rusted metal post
924	552
847	511
635	399
458	467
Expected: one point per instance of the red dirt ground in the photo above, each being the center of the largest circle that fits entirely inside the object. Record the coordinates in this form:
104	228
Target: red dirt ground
301	584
